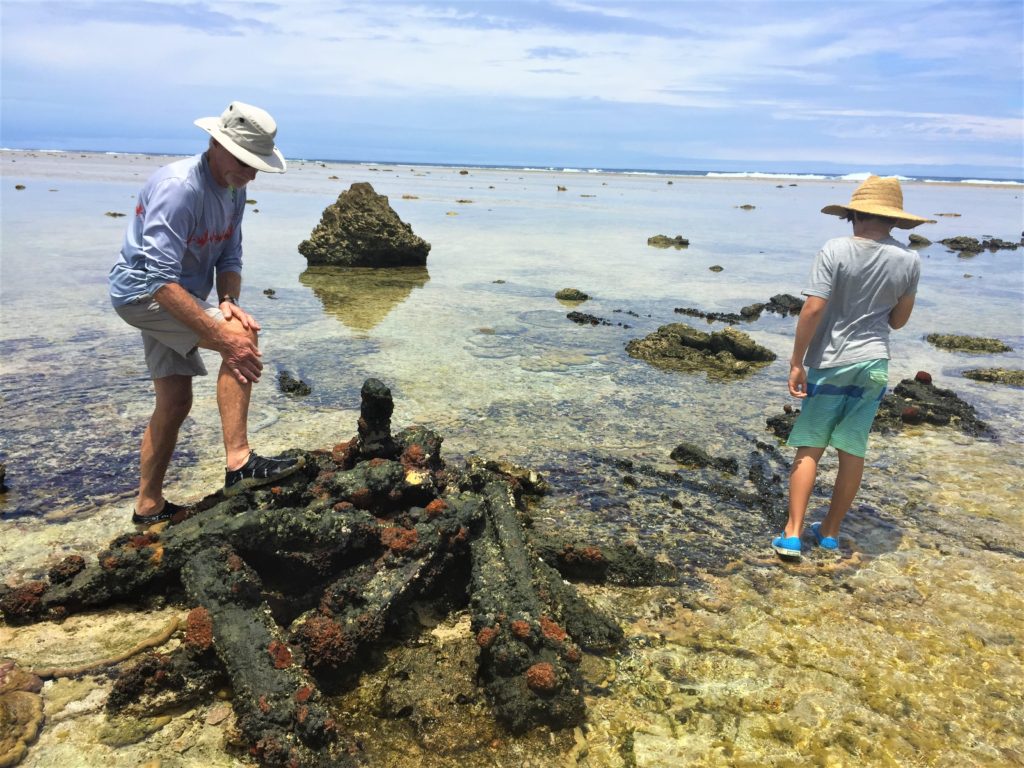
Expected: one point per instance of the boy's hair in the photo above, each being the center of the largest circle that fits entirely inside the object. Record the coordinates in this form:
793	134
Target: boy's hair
854	216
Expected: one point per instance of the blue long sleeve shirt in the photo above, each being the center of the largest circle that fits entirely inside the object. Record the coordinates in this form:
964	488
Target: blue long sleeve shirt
186	230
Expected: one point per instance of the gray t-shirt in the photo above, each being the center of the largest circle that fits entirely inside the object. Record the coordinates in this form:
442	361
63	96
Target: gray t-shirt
862	280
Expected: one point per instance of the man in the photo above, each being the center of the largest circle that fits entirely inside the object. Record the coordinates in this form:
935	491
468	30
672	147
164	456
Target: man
185	237
860	287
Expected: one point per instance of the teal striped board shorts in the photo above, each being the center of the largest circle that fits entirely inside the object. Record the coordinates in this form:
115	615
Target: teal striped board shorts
840	405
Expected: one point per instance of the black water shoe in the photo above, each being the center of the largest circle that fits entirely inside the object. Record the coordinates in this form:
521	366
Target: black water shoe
259	471
170	509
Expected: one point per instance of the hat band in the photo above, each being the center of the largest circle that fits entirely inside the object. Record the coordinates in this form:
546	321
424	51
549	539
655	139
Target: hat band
258	144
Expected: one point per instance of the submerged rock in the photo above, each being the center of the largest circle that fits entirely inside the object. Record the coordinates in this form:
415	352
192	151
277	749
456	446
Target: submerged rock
958	343
1014	378
723	354
361	229
290	385
919	240
690	455
571	294
784	304
664	241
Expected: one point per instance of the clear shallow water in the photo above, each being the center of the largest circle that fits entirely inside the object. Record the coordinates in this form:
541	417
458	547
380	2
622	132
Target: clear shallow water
497	369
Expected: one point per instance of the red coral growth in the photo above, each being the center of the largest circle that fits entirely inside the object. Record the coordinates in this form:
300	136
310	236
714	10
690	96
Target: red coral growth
66	569
541	678
572	653
912	415
485	637
324	642
276	490
235	563
302	695
362	498
199	629
343	506
413	457
399	540
461	536
109	563
344	454
141	541
377	462
280	653
551	630
588	555
263	704
436	508
23	600
520	628
923	376
302	714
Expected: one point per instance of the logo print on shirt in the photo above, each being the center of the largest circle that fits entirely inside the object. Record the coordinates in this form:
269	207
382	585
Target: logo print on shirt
200	241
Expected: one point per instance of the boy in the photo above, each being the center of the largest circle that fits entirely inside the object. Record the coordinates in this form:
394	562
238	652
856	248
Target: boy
860	287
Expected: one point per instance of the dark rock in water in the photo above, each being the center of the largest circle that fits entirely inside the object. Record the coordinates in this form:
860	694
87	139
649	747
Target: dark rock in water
919	240
752	311
1014	378
784	304
723	354
972	246
690	455
723	317
957	343
664	241
716	268
290	385
996	244
782	423
571	294
361	229
270	293
293	586
582	318
963	244
3	477
911	402
612	563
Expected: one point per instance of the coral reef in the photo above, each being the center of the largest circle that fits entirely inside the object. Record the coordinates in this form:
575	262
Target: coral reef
292	586
723	354
959	343
360	229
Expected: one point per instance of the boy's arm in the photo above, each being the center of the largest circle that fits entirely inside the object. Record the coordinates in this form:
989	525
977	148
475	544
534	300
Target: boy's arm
810	316
900	314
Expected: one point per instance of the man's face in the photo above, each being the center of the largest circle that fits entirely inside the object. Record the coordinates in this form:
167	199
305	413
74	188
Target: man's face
229	171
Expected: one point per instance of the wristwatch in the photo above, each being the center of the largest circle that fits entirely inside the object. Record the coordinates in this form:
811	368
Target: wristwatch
229	298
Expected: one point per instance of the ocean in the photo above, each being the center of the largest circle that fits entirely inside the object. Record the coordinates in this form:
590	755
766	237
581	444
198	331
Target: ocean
903	651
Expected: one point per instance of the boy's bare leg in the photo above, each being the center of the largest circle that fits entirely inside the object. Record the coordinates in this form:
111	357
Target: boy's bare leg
801	484
851	469
173	403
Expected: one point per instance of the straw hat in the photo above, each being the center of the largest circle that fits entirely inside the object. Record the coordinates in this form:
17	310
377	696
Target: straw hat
880	197
247	132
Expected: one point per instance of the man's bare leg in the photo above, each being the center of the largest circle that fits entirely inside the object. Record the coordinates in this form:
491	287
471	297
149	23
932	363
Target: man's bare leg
173	403
233	403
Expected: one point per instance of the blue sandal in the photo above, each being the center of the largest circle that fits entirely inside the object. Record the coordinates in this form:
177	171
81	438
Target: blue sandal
825	542
787	546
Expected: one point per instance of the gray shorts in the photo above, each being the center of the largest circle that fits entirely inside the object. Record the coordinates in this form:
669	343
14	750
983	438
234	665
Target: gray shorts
170	345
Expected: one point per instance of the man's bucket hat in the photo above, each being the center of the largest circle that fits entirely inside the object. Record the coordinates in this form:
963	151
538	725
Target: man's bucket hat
247	132
880	197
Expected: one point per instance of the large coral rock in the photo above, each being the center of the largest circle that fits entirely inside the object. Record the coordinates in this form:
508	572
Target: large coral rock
361	229
723	354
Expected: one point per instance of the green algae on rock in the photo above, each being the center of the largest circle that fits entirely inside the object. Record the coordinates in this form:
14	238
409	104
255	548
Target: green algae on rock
571	294
724	354
960	343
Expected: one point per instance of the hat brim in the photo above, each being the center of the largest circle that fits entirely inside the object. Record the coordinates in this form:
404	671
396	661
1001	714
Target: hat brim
903	219
273	163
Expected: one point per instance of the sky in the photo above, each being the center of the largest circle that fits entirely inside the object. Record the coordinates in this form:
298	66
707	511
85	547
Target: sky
900	86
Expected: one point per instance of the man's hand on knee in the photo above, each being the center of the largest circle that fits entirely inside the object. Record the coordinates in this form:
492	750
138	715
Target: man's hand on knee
241	355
